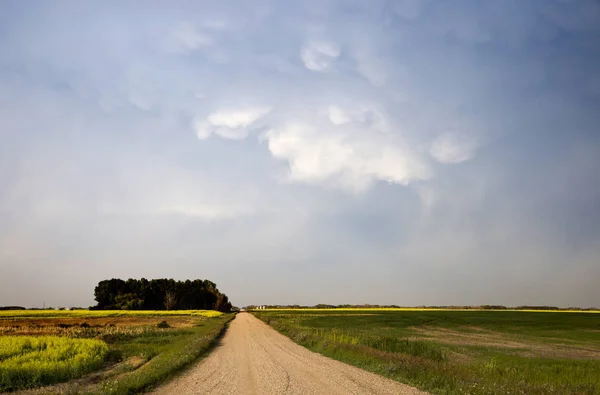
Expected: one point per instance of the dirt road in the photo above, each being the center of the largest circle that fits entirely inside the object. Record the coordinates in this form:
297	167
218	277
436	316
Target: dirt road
253	358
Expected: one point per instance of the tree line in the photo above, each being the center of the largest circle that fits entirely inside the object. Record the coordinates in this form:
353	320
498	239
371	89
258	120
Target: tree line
159	294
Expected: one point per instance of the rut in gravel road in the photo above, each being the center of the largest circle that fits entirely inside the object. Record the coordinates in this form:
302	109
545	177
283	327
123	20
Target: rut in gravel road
253	358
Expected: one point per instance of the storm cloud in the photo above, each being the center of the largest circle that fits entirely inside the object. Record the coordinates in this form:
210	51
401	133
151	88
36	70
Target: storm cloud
398	152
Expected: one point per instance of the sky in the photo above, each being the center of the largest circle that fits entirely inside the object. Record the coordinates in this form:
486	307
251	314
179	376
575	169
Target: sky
408	152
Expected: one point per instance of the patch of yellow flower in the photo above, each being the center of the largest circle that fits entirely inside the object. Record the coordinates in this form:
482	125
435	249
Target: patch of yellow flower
12	314
30	361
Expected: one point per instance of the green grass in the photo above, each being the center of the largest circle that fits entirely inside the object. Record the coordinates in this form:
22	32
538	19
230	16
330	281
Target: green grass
457	352
167	353
31	361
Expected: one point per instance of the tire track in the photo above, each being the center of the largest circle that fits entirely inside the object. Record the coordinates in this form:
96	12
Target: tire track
253	358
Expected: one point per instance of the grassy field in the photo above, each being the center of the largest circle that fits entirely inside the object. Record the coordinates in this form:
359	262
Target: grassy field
135	349
457	352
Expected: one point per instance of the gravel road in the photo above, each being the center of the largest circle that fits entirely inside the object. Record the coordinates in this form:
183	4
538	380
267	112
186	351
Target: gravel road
253	358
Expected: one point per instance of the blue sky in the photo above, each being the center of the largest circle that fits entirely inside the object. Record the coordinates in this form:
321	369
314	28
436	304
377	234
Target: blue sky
404	152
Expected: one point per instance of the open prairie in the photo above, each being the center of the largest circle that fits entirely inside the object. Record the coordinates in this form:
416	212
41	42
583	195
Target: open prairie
454	351
100	351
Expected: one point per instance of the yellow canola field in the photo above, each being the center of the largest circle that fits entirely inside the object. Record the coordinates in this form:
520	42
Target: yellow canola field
30	361
12	314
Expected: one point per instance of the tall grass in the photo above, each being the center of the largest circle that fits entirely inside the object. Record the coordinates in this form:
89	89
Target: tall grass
398	344
417	348
167	355
27	361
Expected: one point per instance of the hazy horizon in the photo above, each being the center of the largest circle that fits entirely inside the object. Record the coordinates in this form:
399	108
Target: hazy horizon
342	152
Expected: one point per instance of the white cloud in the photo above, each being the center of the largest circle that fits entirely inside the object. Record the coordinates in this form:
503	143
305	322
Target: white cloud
231	133
350	161
358	115
318	55
203	129
337	116
452	148
238	118
231	124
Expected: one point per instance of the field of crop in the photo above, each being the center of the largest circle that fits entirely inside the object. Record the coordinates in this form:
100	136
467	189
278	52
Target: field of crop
457	352
29	361
126	351
12	314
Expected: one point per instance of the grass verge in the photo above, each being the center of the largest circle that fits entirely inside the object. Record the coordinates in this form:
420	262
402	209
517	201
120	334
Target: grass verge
169	359
458	352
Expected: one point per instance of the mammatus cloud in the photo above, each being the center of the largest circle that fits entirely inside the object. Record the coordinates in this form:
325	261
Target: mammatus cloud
318	55
231	124
349	160
452	148
337	116
347	147
358	116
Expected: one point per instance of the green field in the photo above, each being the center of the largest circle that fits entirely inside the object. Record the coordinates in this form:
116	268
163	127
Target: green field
115	352
457	352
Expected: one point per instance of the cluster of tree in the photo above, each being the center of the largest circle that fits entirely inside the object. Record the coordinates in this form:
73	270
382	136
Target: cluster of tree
12	308
159	294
